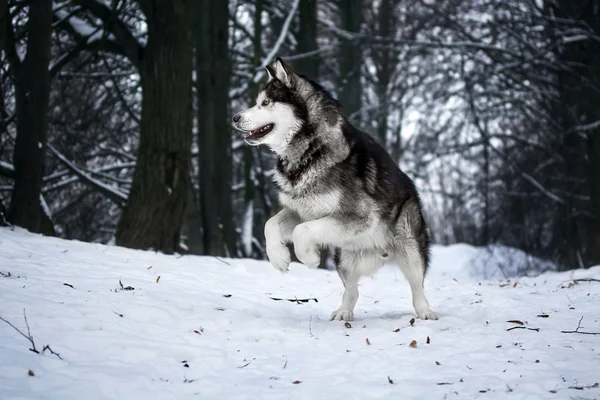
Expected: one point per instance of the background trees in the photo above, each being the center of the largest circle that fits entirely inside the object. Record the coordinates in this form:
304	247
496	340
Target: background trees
491	106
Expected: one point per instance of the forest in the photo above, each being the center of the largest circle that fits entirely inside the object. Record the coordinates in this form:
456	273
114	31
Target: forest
115	116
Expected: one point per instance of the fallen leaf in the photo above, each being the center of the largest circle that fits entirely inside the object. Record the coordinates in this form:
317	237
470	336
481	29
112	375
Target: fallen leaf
537	361
443	383
296	382
368	342
428	341
186	365
543	316
347	324
226	295
347	351
390	380
571	308
437	363
69	285
31	373
396	330
483	391
413	344
515	285
158	279
412	321
461	380
196	331
515	321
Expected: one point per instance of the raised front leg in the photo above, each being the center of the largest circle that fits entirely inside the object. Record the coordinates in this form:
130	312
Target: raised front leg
328	232
278	232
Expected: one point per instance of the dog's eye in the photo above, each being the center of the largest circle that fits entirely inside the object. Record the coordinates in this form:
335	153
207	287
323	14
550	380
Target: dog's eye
266	102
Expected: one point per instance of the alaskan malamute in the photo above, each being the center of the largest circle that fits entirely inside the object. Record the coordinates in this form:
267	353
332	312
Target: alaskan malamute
338	187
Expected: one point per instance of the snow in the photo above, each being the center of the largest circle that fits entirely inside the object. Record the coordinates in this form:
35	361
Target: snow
179	333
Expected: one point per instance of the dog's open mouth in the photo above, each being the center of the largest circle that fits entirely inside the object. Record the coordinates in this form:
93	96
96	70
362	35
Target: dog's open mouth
258	133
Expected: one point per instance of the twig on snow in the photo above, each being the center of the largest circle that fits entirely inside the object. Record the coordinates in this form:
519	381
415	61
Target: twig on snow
296	300
30	338
310	326
573	282
523	327
220	259
582	333
47	347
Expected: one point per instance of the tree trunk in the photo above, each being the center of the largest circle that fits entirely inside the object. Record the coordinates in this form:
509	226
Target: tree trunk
153	215
32	84
384	63
579	106
307	40
351	58
214	131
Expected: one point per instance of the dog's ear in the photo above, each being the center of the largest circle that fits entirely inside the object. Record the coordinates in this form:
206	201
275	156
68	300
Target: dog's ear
271	74
284	73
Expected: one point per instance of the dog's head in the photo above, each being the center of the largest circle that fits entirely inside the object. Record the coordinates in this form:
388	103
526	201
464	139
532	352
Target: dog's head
280	111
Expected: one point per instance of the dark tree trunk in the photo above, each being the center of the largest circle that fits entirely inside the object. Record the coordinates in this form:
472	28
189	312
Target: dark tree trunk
581	150
32	84
214	127
192	222
154	212
249	151
307	40
385	63
351	57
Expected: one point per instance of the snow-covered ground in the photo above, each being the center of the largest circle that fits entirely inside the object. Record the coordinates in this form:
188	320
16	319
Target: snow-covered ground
201	327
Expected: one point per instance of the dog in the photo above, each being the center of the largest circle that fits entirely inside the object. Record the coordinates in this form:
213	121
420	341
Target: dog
338	188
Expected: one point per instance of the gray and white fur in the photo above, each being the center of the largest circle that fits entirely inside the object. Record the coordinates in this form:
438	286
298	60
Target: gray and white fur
338	187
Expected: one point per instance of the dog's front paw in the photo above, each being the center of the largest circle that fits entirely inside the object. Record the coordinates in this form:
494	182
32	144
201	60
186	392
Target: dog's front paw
342	315
304	248
427	314
279	256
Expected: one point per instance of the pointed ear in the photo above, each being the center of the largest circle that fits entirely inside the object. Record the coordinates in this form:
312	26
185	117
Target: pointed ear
271	74
284	73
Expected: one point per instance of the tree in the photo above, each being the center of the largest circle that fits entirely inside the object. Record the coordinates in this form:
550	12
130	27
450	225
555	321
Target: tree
31	104
153	215
214	132
306	39
350	57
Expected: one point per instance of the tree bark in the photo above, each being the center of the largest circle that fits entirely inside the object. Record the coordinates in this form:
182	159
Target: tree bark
32	85
385	64
351	57
214	132
581	150
153	215
307	40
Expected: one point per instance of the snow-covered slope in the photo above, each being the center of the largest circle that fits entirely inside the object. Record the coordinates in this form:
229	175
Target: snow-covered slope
208	327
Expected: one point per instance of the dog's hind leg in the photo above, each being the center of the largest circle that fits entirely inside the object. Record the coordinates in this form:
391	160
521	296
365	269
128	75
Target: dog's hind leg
412	264
347	267
351	265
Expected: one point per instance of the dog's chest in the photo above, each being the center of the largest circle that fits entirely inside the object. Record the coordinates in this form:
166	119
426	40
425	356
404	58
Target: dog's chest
311	206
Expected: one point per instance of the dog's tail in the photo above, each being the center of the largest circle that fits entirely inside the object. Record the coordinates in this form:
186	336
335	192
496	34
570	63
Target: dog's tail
412	228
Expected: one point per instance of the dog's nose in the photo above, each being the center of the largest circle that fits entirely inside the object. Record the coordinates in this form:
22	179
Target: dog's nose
236	118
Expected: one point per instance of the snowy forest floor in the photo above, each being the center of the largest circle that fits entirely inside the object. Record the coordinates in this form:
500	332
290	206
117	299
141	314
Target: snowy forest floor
140	325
